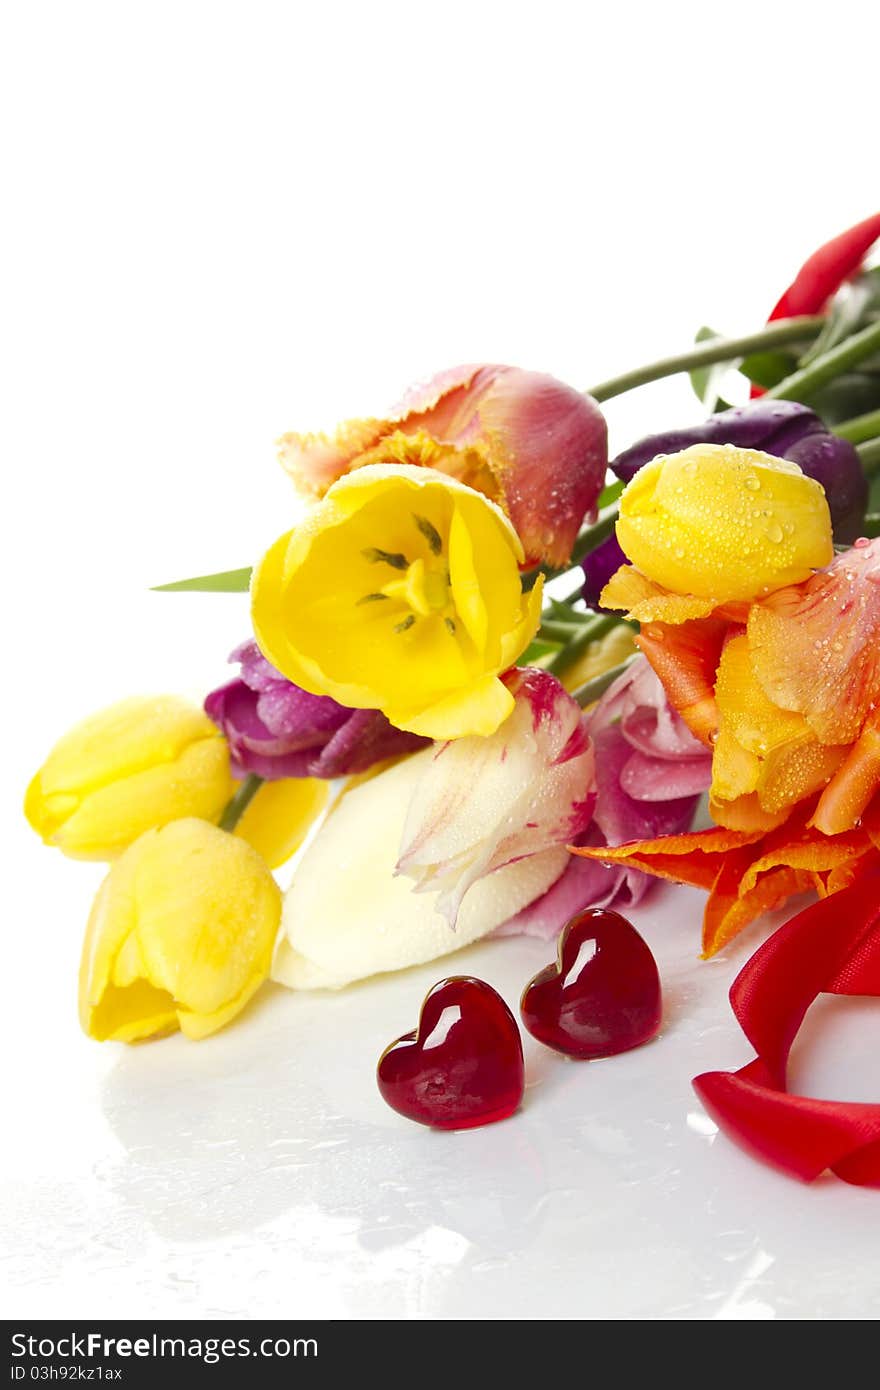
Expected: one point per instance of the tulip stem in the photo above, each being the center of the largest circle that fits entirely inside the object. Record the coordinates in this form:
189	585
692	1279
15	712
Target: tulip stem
869	453
576	646
556	630
860	428
587	694
808	380
775	335
236	808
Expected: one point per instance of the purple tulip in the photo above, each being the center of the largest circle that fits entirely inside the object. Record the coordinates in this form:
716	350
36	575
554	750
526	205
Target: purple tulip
275	729
786	429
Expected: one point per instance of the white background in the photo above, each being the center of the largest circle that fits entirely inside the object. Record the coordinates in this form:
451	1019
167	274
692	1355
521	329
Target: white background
223	221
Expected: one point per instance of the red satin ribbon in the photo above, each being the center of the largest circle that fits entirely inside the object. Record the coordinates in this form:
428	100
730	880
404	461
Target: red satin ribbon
832	947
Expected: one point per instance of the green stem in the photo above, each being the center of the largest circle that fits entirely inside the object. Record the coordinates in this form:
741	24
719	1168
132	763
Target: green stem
806	382
236	808
586	694
860	428
555	630
575	648
775	335
871	525
869	453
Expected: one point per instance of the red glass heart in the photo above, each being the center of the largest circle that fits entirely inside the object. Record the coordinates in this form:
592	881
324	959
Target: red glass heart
603	994
463	1066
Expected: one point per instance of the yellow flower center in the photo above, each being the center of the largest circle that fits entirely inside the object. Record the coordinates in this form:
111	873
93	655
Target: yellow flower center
421	586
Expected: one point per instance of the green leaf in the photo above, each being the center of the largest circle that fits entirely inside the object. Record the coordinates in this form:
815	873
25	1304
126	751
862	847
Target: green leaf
536	650
768	368
706	381
226	582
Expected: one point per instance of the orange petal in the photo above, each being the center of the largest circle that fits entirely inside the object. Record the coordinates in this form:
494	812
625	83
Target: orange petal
816	646
746	814
640	598
728	913
851	869
685	657
694	858
803	848
853	785
761	748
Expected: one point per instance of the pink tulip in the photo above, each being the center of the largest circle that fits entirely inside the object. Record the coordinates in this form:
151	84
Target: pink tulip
529	442
650	771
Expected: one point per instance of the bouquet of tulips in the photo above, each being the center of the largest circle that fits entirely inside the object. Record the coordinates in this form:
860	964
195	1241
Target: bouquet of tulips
491	674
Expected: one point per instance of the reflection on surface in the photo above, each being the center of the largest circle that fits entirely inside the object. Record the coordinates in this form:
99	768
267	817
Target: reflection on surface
268	1152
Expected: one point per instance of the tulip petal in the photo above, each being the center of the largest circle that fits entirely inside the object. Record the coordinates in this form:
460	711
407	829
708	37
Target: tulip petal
345	926
181	935
693	858
425	609
483	803
816	648
547	445
281	815
631	592
685	656
724	523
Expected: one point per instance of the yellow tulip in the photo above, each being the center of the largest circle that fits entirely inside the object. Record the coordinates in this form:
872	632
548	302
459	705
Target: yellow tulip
140	763
280	816
181	935
724	523
400	592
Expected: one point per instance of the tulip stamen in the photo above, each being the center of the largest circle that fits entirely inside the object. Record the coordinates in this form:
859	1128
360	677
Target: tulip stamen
430	533
396	559
371	598
407	623
450	625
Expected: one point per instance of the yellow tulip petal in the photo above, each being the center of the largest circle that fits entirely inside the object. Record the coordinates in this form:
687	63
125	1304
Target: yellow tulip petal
181	935
280	816
399	592
469	601
724	523
481	709
137	764
630	592
197	783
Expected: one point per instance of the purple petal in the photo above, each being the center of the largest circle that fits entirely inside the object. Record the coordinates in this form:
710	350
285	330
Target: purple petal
622	817
598	568
365	738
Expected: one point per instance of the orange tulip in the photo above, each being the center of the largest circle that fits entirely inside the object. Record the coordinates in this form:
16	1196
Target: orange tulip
747	873
787	690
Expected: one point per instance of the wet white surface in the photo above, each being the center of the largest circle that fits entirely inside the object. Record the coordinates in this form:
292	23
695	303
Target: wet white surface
260	1174
236	278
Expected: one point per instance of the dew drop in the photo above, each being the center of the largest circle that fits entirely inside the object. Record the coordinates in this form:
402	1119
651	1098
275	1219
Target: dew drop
774	532
752	483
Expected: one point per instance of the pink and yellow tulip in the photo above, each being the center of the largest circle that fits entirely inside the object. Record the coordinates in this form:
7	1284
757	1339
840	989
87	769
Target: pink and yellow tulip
529	442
